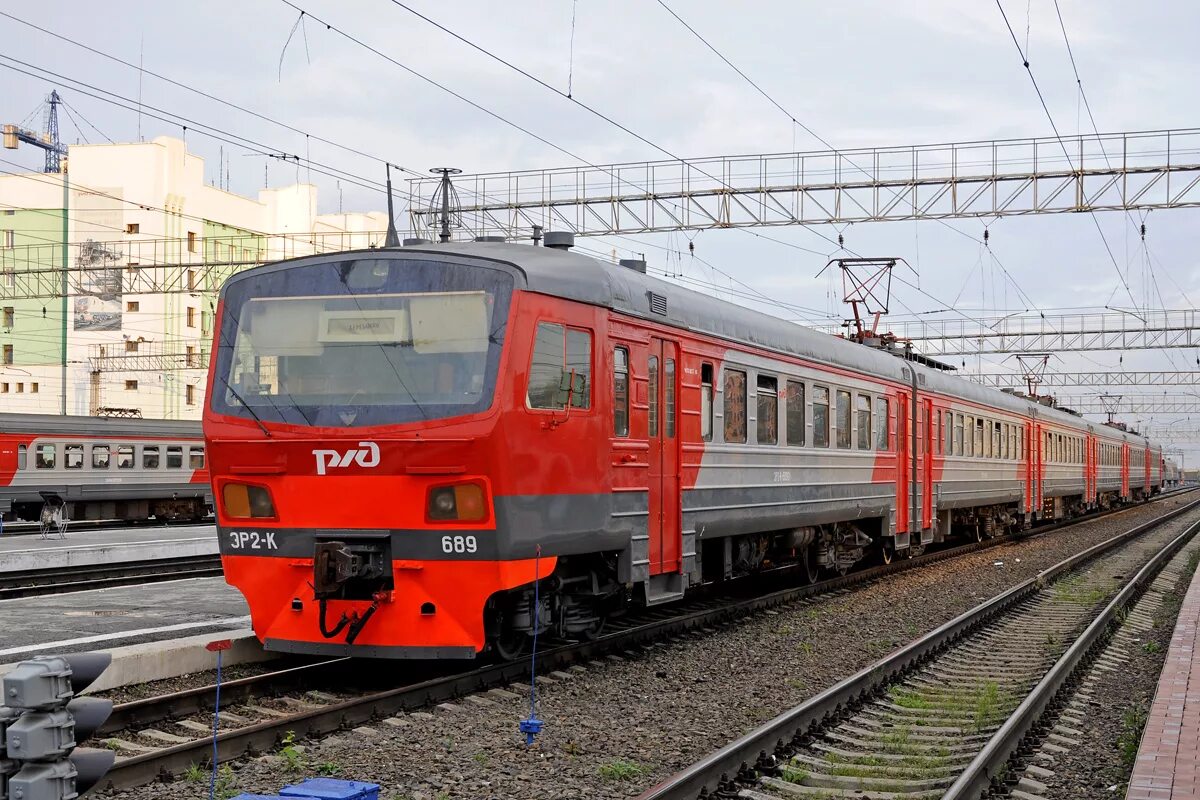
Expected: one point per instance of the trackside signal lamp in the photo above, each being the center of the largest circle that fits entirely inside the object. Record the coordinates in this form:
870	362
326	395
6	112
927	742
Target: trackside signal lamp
41	721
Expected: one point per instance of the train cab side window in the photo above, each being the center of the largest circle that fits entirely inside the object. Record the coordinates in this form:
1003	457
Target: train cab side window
174	456
883	421
844	421
125	456
100	456
767	421
864	422
706	402
560	368
150	458
196	458
44	456
735	406
820	416
620	392
795	414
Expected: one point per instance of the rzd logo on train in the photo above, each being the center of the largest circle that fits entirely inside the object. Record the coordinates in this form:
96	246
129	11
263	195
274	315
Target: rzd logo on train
367	456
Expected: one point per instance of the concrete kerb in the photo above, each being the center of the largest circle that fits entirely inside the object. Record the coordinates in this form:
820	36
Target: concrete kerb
152	661
115	553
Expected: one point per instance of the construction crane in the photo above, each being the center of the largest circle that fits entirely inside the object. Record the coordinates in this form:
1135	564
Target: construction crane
48	140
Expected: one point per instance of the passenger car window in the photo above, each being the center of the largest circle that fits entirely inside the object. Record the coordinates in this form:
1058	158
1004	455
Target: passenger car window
22	456
883	420
706	402
735	406
795	413
864	422
125	456
820	416
174	456
100	456
767	420
560	368
843	420
958	434
196	458
73	456
44	456
150	458
621	391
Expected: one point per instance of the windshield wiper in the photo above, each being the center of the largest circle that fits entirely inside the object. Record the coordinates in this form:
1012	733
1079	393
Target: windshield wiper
262	427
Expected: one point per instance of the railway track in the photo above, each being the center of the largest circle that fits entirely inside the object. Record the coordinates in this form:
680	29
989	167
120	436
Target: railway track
945	716
35	582
165	735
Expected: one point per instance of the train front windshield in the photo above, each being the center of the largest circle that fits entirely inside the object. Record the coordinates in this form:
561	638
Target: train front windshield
368	341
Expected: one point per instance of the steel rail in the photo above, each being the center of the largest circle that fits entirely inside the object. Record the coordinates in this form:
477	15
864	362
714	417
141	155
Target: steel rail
36	582
262	736
741	759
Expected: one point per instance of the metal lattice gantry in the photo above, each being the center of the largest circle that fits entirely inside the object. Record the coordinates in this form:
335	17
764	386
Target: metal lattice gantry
1050	333
1132	404
157	266
1012	177
1002	380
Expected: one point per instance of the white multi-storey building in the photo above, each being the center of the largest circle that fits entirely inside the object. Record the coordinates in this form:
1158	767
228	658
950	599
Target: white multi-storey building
147	244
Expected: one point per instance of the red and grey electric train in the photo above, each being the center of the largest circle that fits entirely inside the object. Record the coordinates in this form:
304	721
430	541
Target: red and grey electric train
102	468
401	441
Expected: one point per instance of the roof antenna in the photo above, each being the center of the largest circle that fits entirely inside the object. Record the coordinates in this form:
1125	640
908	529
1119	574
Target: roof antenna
393	238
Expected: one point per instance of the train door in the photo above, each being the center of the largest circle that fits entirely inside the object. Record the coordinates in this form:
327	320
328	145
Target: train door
903	462
663	433
1039	468
927	442
1125	469
1146	466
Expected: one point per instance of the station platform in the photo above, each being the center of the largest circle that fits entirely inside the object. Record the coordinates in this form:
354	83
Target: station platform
1168	759
106	546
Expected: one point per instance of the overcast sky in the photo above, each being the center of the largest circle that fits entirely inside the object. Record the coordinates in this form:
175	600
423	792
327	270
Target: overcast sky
859	73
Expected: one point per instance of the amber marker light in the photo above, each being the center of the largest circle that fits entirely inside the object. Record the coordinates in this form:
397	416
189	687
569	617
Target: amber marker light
246	501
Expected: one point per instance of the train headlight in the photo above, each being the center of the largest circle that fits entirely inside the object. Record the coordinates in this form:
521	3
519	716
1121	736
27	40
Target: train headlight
245	501
462	502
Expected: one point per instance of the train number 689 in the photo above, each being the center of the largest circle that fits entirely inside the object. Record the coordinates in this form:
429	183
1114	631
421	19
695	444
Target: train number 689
459	544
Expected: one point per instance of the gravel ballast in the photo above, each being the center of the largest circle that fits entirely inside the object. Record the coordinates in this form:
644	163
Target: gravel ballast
620	725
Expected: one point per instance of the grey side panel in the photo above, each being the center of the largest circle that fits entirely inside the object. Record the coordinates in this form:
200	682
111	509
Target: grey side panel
729	511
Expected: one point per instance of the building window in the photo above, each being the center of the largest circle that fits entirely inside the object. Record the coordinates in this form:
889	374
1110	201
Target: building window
795	413
191	317
133	305
196	458
73	456
20	388
6	356
9	240
820	416
150	458
10	316
864	421
735	405
767	421
44	456
3	388
131	386
190	394
706	402
174	456
125	456
191	241
652	391
131	345
883	420
843	420
189	356
33	388
9	278
191	280
560	368
100	456
133	227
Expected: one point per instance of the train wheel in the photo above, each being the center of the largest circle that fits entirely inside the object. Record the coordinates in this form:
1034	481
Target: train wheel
812	570
510	645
